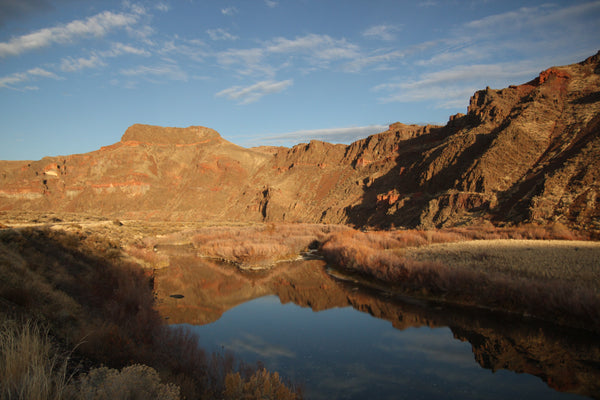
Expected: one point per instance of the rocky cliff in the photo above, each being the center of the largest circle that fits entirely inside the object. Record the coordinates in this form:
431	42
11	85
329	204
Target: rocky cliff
526	153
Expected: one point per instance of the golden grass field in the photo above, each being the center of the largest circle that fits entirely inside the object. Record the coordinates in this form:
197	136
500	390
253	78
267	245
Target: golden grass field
544	276
572	261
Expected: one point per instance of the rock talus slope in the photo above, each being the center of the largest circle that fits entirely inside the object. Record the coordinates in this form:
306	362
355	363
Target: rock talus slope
526	153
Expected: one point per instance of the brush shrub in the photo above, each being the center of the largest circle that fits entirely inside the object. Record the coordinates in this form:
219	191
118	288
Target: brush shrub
261	385
30	367
135	382
103	308
381	256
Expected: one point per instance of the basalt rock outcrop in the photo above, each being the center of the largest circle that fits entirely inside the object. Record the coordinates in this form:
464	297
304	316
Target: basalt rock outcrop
526	153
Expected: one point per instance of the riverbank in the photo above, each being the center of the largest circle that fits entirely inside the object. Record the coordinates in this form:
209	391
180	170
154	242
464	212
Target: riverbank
72	298
89	279
554	280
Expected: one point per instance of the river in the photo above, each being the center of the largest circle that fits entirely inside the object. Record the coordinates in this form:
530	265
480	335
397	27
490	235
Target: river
341	340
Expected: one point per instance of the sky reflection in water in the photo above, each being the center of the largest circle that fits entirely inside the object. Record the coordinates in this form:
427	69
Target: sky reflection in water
341	353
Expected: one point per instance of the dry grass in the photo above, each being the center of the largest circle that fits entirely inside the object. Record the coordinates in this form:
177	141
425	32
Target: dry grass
79	285
136	382
250	247
261	385
30	368
411	262
568	261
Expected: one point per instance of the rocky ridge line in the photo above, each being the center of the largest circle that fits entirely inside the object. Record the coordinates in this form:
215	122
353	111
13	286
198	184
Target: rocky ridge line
526	153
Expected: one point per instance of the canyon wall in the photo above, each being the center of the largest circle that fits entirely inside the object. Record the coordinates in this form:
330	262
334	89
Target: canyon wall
526	153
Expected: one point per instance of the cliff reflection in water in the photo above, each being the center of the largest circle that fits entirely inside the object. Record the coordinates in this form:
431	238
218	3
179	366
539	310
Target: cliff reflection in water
566	360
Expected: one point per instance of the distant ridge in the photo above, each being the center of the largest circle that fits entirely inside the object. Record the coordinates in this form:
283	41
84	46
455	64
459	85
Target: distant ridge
526	153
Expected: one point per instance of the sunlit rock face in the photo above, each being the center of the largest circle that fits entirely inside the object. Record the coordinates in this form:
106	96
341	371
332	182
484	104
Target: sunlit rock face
529	152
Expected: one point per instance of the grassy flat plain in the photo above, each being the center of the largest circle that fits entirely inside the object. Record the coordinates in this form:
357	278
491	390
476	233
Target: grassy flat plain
572	261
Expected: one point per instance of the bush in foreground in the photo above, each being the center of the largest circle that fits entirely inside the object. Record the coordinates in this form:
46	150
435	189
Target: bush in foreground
30	369
260	386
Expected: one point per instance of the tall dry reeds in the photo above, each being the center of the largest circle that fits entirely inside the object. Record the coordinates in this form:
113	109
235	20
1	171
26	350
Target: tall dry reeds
253	246
30	368
380	255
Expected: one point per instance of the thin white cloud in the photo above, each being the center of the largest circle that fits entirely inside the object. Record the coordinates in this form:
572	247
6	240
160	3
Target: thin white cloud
463	73
229	11
530	30
467	59
135	8
320	47
271	3
168	71
332	135
305	52
427	3
70	64
453	87
194	49
13	80
221	34
380	60
382	32
97	25
253	93
164	7
119	48
246	61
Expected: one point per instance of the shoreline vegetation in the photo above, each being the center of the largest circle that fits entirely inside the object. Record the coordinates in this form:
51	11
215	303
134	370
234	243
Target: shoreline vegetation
508	269
83	289
78	322
546	272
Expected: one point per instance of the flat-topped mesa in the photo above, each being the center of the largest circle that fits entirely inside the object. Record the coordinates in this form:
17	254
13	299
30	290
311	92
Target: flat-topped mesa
161	135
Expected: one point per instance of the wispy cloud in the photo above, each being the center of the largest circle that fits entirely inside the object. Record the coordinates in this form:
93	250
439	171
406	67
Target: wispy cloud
332	135
194	49
253	93
271	3
70	64
164	7
383	32
453	87
119	48
229	11
450	69
303	52
246	61
11	81
97	25
220	34
379	61
316	47
169	71
428	3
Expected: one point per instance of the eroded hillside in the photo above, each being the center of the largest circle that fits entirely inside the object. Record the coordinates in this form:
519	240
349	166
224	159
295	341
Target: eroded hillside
526	153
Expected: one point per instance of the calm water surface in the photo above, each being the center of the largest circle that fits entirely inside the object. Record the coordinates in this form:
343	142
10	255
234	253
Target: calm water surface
323	334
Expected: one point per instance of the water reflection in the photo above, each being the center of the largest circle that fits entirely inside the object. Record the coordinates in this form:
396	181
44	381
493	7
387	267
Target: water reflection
410	349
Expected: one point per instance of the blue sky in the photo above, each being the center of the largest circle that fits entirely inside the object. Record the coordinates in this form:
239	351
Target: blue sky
75	74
